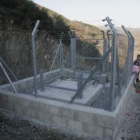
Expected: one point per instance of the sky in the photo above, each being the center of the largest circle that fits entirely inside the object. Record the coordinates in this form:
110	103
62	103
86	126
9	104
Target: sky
123	12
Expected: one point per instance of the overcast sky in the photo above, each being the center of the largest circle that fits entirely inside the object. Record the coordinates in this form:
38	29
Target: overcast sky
126	12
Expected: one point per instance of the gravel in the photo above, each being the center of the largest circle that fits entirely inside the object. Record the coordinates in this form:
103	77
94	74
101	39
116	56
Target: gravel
104	100
131	122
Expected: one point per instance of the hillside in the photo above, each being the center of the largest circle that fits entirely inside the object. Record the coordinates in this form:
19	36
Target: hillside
17	19
24	13
21	16
136	33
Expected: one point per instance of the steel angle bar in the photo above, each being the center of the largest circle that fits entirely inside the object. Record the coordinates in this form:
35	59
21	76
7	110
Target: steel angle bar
46	97
48	82
8	77
92	39
52	98
63	88
73	77
90	76
2	61
92	58
55	56
82	71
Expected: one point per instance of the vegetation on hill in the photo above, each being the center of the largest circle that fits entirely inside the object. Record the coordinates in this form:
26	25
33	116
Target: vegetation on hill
24	14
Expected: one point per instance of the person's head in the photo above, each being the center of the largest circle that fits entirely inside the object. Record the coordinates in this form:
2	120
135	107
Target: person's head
138	56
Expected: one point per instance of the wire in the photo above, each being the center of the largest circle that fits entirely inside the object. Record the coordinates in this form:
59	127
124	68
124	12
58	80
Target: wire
117	23
90	20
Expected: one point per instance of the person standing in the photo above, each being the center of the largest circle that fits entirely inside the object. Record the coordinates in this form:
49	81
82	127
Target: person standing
136	68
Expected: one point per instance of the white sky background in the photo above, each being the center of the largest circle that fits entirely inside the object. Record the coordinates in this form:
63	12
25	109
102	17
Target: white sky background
126	12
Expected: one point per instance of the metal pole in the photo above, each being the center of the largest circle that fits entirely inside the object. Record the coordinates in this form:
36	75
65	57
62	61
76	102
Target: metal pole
34	56
113	78
73	54
8	68
128	61
104	51
79	83
118	76
8	77
108	47
61	60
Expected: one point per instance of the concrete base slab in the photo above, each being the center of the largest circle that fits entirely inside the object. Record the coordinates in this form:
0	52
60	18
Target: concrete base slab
61	94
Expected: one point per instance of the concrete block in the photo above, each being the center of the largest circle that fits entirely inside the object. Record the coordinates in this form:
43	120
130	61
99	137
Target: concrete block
103	79
3	104
1	96
86	117
69	113
10	106
59	121
12	99
18	109
24	103
40	116
48	118
96	131
97	93
35	105
54	110
116	132
75	125
4	98
44	108
31	113
106	121
24	111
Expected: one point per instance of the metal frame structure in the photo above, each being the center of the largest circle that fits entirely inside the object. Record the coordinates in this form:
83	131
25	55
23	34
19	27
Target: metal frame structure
108	66
109	47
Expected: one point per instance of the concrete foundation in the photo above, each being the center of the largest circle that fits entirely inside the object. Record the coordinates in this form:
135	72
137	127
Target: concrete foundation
79	119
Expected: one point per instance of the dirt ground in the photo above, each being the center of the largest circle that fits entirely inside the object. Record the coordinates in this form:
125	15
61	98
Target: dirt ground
12	128
131	123
17	129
